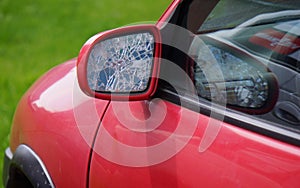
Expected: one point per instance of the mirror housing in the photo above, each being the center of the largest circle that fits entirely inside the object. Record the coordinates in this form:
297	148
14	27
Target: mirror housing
121	64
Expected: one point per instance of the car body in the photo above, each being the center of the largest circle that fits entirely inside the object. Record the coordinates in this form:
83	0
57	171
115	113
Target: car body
218	105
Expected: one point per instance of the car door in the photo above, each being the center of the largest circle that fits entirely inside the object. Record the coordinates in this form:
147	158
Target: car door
186	149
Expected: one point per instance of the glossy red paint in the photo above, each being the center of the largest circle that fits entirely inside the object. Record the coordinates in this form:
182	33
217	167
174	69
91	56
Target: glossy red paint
51	122
88	46
236	158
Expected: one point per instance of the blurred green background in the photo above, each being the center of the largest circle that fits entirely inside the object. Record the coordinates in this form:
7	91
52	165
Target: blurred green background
36	35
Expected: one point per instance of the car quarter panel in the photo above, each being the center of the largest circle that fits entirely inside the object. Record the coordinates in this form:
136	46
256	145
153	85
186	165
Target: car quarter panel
126	156
51	119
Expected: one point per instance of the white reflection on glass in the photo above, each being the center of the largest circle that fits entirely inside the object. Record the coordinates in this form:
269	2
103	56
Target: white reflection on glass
121	64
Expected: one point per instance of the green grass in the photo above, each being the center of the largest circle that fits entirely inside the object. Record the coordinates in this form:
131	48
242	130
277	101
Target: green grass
36	35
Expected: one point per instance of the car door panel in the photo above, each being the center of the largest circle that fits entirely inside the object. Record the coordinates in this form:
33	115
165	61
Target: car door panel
236	157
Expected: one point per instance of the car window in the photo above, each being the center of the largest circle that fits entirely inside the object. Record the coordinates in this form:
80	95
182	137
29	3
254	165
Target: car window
244	52
231	13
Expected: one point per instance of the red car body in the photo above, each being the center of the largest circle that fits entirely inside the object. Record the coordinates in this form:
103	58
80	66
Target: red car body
66	129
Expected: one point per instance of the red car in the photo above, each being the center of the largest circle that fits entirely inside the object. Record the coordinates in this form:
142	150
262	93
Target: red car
209	96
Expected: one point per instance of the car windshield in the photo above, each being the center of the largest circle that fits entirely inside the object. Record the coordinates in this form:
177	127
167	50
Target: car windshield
231	13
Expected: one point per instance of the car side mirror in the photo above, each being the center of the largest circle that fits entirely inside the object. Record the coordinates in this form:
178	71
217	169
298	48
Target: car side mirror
121	64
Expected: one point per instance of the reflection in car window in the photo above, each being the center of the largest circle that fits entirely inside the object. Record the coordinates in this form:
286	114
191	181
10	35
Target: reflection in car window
231	13
267	31
229	77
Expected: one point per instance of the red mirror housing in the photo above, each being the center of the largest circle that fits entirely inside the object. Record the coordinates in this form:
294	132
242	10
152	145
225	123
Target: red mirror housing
121	64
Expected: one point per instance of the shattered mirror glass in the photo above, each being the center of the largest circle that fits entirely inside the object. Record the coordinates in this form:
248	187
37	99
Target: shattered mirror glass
121	64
